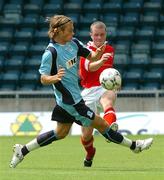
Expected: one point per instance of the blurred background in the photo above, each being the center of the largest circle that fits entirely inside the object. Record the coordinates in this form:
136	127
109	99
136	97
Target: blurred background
135	29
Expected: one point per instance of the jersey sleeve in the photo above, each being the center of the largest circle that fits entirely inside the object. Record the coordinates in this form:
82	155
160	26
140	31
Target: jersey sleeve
82	50
86	64
46	63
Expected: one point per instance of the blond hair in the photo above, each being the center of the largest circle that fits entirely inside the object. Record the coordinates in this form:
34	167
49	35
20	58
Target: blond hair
57	23
98	24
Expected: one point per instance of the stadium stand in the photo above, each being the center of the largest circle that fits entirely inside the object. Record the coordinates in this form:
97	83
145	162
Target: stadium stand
135	29
132	6
1	63
14	63
10	80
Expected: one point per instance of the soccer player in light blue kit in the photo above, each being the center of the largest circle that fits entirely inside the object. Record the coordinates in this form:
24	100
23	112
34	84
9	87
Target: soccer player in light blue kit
59	67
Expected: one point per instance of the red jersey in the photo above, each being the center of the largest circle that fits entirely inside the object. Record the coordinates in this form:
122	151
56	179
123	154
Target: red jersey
90	79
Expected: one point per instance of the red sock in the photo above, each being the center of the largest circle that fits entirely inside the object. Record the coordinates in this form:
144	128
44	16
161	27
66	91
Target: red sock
88	146
110	115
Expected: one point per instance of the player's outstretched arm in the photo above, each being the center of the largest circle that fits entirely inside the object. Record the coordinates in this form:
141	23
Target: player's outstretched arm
52	79
96	55
94	66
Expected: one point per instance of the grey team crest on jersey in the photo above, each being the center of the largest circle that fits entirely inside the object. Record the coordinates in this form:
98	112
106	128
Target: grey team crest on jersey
90	114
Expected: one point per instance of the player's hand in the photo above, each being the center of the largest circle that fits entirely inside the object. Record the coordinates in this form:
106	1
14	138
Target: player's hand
101	48
105	57
59	75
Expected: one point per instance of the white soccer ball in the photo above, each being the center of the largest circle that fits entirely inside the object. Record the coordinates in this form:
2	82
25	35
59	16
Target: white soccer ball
110	79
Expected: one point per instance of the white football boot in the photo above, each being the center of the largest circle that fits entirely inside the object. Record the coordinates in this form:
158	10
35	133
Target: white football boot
143	145
17	156
114	127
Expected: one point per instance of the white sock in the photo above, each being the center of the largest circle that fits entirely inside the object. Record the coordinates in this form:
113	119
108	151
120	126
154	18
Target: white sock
126	142
32	145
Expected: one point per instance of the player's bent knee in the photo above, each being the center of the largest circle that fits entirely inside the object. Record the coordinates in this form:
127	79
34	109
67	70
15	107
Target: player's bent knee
87	136
62	133
87	133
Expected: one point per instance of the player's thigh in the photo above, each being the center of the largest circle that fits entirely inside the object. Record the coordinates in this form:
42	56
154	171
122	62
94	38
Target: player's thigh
99	123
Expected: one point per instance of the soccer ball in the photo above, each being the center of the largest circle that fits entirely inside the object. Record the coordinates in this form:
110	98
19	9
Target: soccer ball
110	79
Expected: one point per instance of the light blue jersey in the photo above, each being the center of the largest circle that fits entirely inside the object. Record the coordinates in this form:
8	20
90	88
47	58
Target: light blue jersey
66	91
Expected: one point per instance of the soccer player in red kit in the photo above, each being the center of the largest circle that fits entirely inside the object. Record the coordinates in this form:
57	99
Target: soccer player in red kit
93	93
59	68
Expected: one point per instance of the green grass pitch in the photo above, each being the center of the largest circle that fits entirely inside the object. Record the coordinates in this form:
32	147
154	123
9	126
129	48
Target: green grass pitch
63	160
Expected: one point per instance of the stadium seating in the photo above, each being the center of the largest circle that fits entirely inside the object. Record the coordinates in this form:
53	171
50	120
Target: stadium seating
8	87
23	36
1	5
159	34
19	49
144	33
132	6
44	88
36	49
41	36
132	76
1	63
29	80
32	63
4	48
14	63
157	61
121	48
26	87
140	48
110	19
31	9
125	33
6	36
121	61
73	7
130	19
83	34
152	6
152	77
161	20
52	8
150	19
135	29
112	7
140	60
12	8
20	2
10	80
130	86
158	48
87	18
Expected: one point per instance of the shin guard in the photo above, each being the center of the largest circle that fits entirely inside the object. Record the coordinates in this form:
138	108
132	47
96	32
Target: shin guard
113	136
46	138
